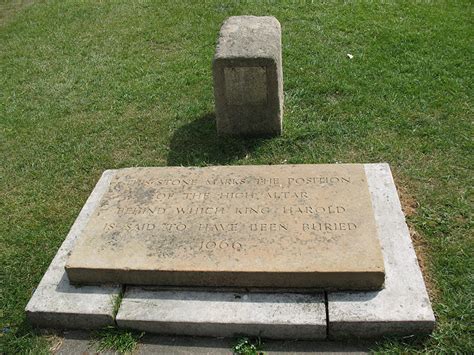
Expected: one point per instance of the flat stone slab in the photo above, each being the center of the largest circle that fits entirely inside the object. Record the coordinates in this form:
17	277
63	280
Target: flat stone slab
403	306
58	304
224	314
289	226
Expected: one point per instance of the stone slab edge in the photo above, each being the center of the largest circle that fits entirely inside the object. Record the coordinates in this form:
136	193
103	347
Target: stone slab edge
403	306
58	304
224	314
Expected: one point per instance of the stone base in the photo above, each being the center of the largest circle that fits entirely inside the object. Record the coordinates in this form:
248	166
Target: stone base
401	308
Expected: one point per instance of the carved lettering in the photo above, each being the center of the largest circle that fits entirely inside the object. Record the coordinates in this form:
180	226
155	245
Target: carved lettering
294	210
286	194
268	227
196	195
227	181
220	245
141	211
163	195
321	180
200	210
219	227
237	195
329	227
268	181
252	210
140	227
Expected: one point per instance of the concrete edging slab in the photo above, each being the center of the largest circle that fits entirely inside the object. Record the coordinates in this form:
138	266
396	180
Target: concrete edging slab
58	304
224	314
403	306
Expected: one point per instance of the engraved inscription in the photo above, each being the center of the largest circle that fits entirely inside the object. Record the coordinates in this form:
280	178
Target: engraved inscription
162	204
220	245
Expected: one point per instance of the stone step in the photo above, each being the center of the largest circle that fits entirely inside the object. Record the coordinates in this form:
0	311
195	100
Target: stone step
224	314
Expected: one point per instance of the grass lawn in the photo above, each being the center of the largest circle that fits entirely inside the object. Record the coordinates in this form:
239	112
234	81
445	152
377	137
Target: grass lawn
88	86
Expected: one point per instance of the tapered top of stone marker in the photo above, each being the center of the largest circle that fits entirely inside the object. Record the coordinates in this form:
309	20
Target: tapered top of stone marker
238	35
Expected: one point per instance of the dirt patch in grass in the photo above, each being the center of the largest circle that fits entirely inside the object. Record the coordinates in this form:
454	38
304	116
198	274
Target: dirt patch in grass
409	208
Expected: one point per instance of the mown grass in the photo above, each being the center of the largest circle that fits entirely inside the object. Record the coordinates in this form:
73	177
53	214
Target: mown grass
88	86
113	339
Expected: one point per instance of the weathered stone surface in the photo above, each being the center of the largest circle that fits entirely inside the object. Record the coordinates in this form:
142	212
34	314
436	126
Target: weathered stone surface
299	226
248	79
403	306
57	304
223	314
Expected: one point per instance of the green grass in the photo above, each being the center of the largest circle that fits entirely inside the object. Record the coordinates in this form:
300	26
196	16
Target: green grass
117	301
246	346
87	86
119	340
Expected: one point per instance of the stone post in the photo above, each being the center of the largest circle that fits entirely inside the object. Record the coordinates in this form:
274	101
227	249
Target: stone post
248	77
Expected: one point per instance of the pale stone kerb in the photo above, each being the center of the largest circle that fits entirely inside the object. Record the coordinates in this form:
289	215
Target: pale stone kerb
58	304
200	313
403	306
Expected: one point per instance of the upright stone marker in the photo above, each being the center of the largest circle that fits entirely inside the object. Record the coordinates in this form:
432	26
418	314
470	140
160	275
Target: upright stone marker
248	79
281	226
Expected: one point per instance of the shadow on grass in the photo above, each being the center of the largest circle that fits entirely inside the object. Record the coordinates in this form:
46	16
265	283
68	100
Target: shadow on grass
197	144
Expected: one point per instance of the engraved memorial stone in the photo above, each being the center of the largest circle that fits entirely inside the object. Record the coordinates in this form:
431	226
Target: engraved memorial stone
288	226
248	80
